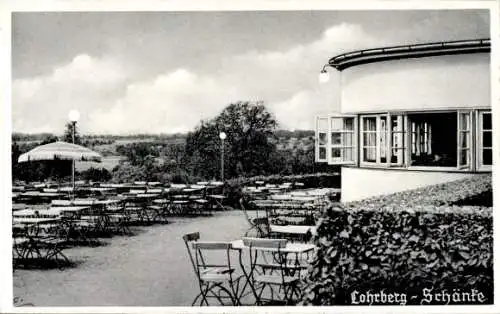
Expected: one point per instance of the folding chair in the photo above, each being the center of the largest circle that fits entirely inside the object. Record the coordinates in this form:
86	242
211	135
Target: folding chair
216	277
259	226
271	268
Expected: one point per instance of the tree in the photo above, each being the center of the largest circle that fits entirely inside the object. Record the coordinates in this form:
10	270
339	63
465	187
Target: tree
96	174
248	126
68	134
138	153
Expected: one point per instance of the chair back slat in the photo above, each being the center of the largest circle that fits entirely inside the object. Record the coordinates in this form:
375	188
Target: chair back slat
195	236
211	245
265	243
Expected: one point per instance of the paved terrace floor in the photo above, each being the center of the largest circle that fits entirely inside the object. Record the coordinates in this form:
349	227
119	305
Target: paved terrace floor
151	268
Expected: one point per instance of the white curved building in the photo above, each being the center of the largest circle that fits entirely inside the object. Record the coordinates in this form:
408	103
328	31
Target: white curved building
410	116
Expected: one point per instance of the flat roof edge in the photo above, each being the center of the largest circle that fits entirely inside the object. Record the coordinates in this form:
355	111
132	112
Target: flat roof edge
349	59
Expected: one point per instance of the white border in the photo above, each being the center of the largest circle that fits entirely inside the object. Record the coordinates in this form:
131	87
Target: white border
8	6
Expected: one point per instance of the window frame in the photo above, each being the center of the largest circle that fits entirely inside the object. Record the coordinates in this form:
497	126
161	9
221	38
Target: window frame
479	140
382	143
402	129
342	146
362	146
317	145
468	134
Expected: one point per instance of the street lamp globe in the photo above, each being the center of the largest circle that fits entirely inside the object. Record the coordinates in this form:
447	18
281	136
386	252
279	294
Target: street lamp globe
324	76
74	116
222	135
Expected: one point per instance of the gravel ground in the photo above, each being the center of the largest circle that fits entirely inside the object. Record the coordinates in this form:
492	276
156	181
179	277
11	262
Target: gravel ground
151	268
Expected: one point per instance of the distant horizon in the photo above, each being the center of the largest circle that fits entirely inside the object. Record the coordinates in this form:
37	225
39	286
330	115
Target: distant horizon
13	133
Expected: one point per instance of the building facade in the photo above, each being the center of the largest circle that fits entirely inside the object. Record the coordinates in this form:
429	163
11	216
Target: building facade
409	116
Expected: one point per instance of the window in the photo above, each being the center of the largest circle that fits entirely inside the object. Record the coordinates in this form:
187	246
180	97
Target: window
321	138
342	140
336	139
382	140
485	140
455	140
369	139
434	139
397	139
464	139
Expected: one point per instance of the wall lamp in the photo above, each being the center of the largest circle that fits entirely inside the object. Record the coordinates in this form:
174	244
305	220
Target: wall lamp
323	75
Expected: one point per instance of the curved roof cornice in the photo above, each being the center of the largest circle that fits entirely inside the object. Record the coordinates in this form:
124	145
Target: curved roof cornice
349	59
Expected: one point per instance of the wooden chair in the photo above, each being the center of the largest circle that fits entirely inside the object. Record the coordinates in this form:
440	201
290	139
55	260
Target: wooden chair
217	278
272	268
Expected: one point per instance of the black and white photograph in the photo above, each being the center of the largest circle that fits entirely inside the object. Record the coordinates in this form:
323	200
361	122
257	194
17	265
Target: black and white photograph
250	157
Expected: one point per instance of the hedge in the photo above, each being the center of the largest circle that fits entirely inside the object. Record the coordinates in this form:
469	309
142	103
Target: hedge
405	243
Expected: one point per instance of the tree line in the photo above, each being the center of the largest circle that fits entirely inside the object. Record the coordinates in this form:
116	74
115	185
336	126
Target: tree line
249	150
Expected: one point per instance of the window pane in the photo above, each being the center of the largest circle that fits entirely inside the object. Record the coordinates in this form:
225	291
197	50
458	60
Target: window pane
335	152
487	157
464	139
486	121
397	155
369	154
322	138
348	154
336	138
322	153
336	124
349	124
397	140
348	139
383	138
464	157
370	124
464	121
369	139
394	123
487	139
322	124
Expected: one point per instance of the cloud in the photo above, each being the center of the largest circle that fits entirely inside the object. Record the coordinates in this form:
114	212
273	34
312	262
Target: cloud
176	101
112	99
43	102
172	102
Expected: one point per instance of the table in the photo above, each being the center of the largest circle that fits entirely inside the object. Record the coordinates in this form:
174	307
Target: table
294	230
69	209
137	208
291	247
37	238
293	266
27	221
217	200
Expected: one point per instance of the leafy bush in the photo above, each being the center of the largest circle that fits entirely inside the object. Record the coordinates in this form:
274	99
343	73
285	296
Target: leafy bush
404	243
95	175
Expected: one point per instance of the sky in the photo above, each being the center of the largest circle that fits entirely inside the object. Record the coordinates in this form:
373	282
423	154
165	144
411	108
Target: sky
164	72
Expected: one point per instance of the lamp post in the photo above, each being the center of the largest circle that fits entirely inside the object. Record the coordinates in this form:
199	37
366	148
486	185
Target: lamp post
73	117
222	136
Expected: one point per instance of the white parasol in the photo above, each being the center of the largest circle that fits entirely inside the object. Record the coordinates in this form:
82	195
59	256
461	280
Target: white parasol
60	151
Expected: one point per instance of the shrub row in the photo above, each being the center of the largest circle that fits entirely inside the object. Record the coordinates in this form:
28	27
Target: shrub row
434	195
395	244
